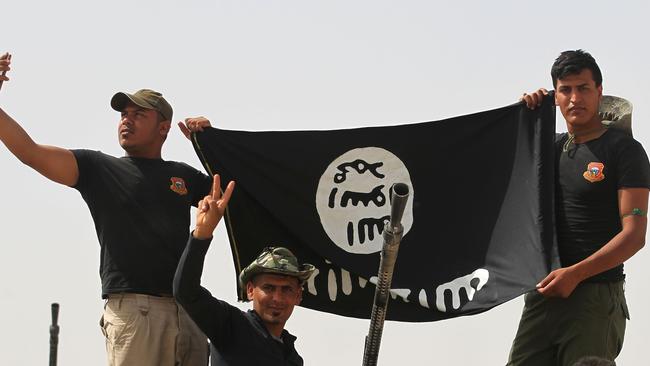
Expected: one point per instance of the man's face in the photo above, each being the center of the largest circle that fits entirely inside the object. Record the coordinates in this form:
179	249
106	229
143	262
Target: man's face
578	98
274	297
139	129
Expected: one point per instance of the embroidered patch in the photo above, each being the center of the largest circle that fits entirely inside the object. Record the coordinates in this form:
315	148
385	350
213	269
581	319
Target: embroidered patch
594	172
178	186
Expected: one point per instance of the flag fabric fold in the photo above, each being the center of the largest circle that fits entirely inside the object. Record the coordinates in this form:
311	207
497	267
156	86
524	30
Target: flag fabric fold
478	226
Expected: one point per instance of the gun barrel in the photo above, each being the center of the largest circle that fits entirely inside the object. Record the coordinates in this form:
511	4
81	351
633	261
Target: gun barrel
54	334
392	238
399	197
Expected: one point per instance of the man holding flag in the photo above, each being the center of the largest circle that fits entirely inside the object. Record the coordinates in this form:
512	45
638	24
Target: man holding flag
601	199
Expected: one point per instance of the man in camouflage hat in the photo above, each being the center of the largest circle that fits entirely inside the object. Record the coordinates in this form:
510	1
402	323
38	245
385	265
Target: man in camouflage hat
273	282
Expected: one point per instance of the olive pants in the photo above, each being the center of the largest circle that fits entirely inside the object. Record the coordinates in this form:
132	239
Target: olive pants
554	331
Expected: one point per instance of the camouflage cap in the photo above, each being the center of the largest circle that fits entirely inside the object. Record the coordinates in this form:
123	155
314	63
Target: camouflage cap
145	98
276	260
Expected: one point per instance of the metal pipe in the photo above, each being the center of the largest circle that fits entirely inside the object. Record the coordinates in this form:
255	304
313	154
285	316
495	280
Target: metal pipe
392	237
54	334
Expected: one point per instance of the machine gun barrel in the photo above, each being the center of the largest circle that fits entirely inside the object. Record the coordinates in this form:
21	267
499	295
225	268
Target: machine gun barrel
54	334
392	237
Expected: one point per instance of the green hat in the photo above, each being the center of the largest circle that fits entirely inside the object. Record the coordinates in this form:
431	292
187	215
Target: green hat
276	260
145	98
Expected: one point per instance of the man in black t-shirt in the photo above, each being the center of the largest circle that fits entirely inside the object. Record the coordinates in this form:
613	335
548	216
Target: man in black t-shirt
601	199
140	204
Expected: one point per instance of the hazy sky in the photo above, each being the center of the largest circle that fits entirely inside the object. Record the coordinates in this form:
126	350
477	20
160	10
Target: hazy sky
276	65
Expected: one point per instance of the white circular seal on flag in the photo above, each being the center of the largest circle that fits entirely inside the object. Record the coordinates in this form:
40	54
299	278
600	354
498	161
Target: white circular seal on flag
353	198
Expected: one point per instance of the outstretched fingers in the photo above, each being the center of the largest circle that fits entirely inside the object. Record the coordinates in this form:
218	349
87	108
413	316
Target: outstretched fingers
213	196
227	193
216	187
215	193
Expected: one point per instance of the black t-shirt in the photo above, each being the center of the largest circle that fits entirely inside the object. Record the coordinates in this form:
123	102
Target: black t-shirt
141	210
588	177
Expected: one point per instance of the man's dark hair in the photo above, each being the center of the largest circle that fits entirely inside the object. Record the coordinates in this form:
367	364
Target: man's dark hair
573	62
594	361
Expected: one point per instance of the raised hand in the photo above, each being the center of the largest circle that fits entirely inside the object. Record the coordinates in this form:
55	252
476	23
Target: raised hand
212	208
194	124
5	62
534	99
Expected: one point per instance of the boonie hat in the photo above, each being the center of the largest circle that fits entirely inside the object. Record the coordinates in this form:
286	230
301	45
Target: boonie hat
276	260
145	98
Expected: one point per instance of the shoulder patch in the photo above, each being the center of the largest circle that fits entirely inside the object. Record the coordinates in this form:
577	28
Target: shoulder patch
178	186
594	172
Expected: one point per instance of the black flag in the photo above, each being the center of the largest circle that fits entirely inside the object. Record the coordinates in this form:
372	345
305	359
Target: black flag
478	226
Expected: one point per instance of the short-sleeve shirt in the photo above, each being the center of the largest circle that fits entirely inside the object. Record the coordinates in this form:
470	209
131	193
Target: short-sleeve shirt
588	177
141	210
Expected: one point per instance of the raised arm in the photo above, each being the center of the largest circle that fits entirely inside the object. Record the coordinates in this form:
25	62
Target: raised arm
205	310
55	163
